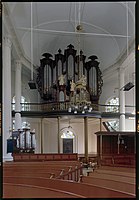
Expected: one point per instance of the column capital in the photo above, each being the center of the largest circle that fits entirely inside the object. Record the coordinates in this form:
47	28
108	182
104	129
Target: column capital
18	64
121	69
7	41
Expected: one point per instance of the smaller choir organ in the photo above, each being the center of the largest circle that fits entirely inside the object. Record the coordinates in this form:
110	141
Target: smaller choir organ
23	141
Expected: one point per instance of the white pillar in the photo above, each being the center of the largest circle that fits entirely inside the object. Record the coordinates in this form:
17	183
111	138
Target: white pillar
122	101
18	95
7	117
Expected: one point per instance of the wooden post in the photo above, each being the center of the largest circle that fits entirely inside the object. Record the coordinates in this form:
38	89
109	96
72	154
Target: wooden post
41	137
86	138
58	139
118	144
100	138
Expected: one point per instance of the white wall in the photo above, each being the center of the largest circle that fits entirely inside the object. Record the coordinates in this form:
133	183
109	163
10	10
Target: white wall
110	89
31	95
49	133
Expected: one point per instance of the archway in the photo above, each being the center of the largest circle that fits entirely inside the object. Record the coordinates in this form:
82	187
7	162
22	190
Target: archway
68	140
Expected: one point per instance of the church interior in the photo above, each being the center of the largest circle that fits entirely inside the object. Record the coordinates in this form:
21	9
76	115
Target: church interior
68	112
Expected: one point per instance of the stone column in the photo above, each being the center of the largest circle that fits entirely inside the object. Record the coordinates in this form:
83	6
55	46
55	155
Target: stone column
6	93
18	95
86	138
122	101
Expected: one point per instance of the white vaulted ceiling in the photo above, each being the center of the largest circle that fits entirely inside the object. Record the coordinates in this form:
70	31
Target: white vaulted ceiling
106	28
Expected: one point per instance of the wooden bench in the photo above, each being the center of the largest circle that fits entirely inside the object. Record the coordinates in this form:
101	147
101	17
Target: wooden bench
103	171
58	171
118	169
41	163
18	157
113	177
128	188
70	175
32	174
43	166
118	160
83	189
11	190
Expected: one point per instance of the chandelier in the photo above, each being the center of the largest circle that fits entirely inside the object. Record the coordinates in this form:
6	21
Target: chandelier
80	98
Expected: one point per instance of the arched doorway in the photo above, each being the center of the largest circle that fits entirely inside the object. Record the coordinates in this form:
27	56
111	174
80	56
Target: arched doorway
68	140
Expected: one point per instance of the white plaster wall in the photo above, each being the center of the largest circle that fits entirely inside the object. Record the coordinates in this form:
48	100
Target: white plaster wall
31	95
110	89
50	141
79	130
130	125
50	137
92	138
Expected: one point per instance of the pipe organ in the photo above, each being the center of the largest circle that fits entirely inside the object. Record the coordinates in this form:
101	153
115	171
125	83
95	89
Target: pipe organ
23	141
55	76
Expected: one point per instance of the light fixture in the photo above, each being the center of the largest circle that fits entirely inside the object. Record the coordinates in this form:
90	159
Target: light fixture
31	83
127	86
80	101
67	131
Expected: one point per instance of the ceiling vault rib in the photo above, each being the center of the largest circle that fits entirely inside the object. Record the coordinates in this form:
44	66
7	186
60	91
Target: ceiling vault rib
70	32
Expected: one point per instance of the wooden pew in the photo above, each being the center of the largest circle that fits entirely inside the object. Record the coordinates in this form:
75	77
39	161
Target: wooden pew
83	189
121	169
11	190
43	166
113	177
32	174
18	157
118	160
67	162
72	172
128	188
103	171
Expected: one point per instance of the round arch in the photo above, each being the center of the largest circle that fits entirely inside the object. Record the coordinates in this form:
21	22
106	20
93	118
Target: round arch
68	133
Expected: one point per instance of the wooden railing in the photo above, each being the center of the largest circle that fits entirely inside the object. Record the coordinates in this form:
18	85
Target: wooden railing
63	106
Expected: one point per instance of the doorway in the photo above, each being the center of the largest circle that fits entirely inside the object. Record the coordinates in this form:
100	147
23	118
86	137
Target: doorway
67	145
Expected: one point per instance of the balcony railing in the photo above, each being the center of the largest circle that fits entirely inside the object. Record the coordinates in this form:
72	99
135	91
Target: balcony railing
64	106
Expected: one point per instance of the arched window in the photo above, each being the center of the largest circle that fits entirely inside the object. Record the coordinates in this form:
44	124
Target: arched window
24	105
113	125
113	106
24	124
67	133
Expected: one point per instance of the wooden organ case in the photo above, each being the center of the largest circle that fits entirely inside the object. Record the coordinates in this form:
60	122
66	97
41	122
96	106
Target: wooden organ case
23	141
55	76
